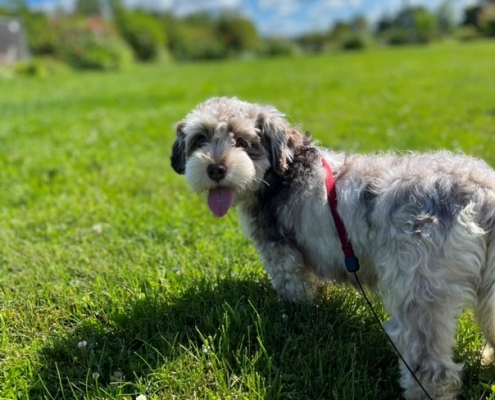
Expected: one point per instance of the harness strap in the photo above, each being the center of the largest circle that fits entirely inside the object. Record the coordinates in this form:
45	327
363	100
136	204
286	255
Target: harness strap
351	261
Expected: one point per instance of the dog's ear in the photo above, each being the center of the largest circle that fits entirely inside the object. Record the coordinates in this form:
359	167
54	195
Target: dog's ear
178	158
278	138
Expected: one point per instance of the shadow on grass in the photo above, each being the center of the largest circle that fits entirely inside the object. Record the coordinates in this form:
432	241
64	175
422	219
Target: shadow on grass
329	350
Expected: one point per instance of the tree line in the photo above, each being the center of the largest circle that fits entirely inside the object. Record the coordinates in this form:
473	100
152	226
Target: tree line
104	34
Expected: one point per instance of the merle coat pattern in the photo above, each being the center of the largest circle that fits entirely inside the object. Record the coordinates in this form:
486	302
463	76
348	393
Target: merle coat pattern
422	225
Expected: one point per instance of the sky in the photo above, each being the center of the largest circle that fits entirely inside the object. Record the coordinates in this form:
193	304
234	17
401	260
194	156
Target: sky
281	17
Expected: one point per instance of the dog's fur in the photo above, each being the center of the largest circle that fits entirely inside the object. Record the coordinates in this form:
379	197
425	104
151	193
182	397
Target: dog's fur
422	225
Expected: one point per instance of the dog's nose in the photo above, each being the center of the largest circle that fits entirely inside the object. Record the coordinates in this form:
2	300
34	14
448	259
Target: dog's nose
216	172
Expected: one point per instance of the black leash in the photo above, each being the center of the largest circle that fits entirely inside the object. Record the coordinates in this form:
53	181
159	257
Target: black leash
352	262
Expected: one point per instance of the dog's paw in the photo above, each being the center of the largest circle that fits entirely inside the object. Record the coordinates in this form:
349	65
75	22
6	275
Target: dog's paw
295	290
488	356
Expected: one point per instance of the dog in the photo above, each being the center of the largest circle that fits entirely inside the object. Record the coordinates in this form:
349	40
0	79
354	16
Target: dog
421	224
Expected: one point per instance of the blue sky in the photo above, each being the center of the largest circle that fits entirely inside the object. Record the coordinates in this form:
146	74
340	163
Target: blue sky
281	17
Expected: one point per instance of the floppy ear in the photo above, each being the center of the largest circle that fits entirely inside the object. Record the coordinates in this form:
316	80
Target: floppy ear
279	139
178	158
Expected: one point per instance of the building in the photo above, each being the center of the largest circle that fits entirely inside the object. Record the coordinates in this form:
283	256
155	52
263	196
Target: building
13	45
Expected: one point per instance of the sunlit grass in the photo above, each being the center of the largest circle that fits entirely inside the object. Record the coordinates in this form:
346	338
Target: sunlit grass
100	241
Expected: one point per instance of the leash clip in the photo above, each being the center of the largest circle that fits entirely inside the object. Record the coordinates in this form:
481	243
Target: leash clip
352	264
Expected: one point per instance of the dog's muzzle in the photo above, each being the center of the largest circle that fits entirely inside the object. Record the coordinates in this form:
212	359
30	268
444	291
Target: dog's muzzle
220	199
217	172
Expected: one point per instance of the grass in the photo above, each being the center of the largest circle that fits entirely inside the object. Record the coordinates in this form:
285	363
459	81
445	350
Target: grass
116	281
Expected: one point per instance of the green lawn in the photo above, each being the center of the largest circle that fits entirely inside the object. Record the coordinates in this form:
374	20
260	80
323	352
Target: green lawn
116	281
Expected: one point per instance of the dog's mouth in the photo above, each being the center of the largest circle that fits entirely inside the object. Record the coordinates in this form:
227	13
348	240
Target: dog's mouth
220	200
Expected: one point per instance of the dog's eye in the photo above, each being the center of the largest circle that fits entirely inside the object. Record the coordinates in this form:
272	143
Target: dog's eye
244	144
200	141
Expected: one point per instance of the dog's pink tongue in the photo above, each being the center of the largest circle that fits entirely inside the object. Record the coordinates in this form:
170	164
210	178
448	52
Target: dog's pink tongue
220	200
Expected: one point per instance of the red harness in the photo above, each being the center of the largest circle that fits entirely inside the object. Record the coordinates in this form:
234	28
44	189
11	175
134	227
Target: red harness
351	261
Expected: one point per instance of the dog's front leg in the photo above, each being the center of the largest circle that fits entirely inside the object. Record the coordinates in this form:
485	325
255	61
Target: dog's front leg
289	275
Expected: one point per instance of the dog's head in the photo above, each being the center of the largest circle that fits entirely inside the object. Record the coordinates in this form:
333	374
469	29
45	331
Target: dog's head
225	147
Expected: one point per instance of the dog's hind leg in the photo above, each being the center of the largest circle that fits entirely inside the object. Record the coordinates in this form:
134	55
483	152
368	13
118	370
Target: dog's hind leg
485	315
427	279
424	296
485	307
424	333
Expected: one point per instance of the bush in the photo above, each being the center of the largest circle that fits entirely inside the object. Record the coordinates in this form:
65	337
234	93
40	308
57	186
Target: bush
84	50
207	48
279	47
397	36
40	34
205	36
42	67
143	33
31	68
354	42
314	42
467	33
195	43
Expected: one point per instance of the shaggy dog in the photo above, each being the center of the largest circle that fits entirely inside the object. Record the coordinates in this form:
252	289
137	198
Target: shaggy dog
422	225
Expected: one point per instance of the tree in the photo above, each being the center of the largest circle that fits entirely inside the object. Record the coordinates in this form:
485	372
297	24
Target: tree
425	25
16	7
413	25
143	32
193	37
385	23
446	18
237	33
359	24
487	19
205	36
340	31
404	21
88	7
471	16
314	42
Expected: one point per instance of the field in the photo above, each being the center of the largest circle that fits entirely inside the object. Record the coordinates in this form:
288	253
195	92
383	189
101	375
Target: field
116	281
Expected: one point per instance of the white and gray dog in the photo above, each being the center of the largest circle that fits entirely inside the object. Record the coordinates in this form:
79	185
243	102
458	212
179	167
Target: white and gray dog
422	225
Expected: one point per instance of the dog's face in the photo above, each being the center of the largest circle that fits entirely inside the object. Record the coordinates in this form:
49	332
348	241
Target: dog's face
225	147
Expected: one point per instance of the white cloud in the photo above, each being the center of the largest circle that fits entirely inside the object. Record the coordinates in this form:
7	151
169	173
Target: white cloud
151	4
267	4
339	4
183	7
324	7
180	7
51	5
278	16
282	8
